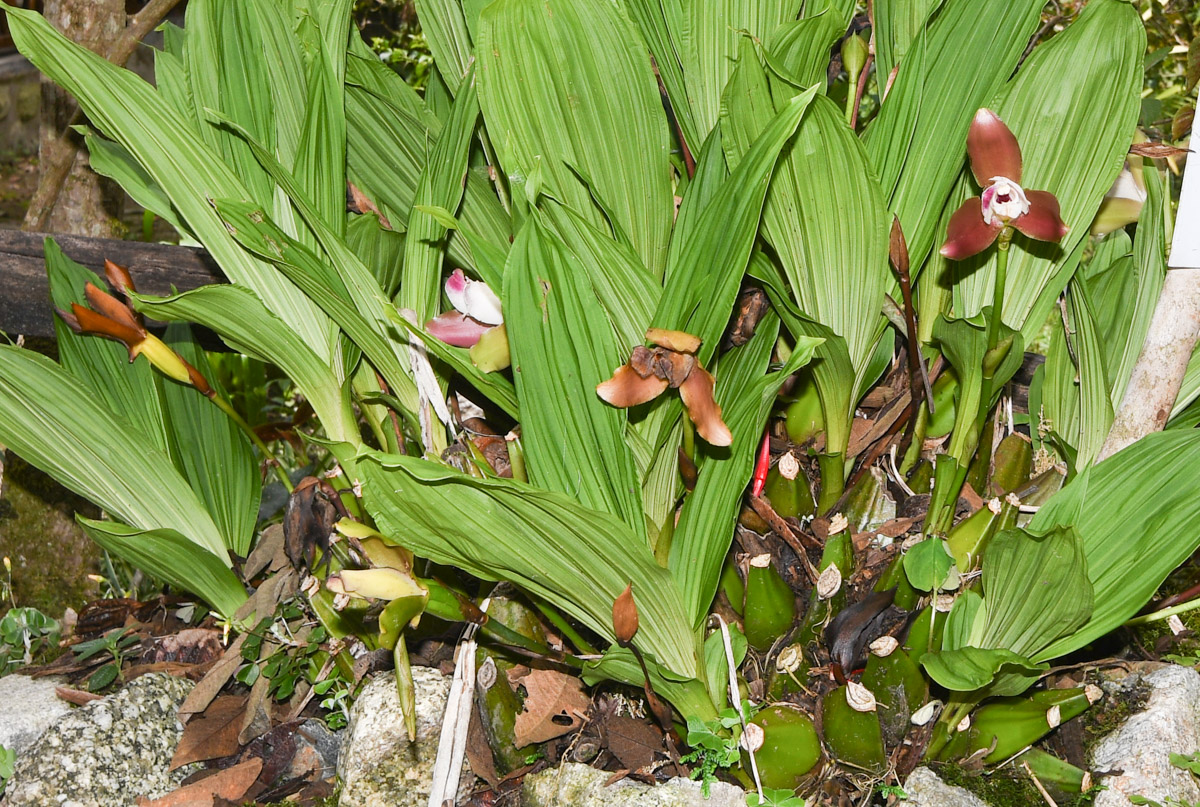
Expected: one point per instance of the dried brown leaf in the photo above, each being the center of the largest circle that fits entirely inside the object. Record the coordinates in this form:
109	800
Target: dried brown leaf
210	685
268	554
231	784
213	734
634	743
76	696
554	705
1156	150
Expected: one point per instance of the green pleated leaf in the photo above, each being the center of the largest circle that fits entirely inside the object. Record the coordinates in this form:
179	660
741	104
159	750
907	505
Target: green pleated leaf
745	391
244	323
115	162
1137	519
709	257
626	289
441	185
970	668
1075	393
562	347
381	250
1035	589
57	424
798	51
1073	108
351	298
661	25
578	559
445	28
169	556
897	24
103	365
209	449
169	148
389	133
918	141
320	167
835	265
568	86
709	41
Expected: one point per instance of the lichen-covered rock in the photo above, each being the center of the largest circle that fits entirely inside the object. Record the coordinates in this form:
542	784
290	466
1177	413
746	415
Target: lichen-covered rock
107	753
1138	753
579	785
28	706
926	789
378	765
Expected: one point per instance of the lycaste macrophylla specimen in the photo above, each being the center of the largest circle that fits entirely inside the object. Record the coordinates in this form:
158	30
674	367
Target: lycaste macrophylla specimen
996	163
670	363
112	319
476	311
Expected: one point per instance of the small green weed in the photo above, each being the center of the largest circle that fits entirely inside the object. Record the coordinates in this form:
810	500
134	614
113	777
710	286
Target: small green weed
24	633
116	643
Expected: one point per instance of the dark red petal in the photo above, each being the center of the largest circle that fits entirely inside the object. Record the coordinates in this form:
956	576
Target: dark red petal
118	277
1043	220
626	388
697	395
967	233
456	329
993	149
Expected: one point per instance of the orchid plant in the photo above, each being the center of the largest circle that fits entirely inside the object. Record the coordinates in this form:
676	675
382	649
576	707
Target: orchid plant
592	204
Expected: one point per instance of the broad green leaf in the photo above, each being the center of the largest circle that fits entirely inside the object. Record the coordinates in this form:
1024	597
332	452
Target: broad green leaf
919	139
927	564
381	250
244	323
1137	520
1073	108
626	289
971	668
446	31
103	365
441	184
575	558
55	423
660	23
361	313
798	51
688	695
568	86
209	449
169	556
320	167
127	109
964	623
562	347
1035	589
706	264
745	391
897	24
836	265
115	162
709	41
1075	393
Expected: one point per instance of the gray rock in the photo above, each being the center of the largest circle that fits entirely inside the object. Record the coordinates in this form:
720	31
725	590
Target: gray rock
926	789
1138	753
580	785
107	753
28	706
378	765
316	751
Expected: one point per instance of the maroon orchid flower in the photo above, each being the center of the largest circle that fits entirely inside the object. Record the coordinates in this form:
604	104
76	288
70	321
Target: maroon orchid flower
670	363
996	163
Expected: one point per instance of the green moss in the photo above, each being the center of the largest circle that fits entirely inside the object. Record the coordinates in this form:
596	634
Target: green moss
1108	714
51	557
1006	788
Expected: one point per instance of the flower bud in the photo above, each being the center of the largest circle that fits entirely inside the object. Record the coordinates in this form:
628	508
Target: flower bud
625	616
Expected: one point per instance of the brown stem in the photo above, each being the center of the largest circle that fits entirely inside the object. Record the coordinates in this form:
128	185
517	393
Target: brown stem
862	85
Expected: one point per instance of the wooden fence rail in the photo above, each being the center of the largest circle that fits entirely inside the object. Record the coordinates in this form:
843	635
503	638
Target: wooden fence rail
25	307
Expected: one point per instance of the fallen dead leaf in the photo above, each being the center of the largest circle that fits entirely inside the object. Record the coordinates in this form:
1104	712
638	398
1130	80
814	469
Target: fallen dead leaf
554	705
230	784
633	742
213	734
76	696
211	685
189	646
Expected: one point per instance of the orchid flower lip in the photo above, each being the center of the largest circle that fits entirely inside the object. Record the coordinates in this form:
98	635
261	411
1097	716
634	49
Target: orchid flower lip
1004	199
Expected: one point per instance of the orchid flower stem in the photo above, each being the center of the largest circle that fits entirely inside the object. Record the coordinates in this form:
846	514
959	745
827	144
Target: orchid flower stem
1002	243
228	409
1165	613
851	97
953	714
